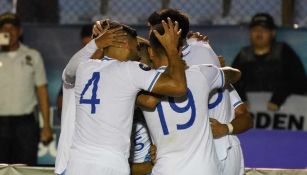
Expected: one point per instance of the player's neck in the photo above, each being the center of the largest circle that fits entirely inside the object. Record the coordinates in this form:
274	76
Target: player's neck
115	55
163	61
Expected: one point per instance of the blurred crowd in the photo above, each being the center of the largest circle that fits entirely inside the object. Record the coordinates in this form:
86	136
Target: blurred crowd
266	65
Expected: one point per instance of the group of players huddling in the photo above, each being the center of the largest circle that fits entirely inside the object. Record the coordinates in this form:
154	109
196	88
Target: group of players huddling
191	110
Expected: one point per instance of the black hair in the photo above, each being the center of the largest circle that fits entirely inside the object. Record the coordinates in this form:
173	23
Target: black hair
175	15
154	18
86	31
114	24
154	42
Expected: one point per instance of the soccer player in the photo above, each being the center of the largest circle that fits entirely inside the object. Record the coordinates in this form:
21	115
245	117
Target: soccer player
229	115
141	159
69	108
105	93
180	127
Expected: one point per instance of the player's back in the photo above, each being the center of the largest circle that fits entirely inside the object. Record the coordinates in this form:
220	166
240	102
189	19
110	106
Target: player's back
104	101
105	93
180	129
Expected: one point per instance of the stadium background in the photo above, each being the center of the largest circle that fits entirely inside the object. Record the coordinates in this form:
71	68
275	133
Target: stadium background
227	32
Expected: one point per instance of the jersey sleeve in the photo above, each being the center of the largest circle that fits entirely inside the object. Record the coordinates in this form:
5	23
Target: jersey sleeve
214	75
82	55
201	53
142	76
235	98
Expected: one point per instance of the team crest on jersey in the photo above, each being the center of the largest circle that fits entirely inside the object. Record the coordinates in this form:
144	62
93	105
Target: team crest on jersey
144	67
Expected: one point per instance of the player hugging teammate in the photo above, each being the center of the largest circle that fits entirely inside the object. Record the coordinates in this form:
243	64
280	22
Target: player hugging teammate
191	112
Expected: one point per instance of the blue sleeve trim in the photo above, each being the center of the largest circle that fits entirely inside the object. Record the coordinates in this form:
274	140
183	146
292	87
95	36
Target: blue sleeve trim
223	78
237	104
153	82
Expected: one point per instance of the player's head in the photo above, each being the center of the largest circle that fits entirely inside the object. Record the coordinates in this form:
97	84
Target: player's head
262	30
10	24
156	51
175	15
86	34
130	50
143	51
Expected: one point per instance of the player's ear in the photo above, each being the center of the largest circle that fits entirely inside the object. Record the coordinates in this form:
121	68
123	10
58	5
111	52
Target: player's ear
150	53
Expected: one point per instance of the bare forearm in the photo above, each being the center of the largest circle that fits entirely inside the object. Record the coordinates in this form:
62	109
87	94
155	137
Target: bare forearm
43	99
242	121
231	75
141	168
176	70
147	101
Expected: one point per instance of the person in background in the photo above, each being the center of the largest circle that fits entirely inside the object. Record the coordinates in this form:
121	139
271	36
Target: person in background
23	85
268	65
37	11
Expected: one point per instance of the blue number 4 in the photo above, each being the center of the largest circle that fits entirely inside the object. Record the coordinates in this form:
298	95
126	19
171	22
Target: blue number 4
93	101
173	105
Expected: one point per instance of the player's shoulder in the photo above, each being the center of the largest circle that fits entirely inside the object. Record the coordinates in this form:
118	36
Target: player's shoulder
201	67
135	65
193	43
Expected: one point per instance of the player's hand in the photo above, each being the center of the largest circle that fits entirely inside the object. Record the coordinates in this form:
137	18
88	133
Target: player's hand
98	29
221	60
198	36
142	40
218	129
114	37
46	135
170	38
153	154
272	106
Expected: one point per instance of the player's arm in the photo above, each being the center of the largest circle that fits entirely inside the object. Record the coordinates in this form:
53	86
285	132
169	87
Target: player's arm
146	167
114	37
141	168
231	75
147	100
241	122
173	81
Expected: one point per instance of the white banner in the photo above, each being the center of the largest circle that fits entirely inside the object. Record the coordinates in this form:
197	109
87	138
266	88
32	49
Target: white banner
291	116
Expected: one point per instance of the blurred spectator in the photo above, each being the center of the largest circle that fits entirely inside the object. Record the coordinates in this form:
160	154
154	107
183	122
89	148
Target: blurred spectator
104	5
41	11
268	65
23	83
165	4
86	37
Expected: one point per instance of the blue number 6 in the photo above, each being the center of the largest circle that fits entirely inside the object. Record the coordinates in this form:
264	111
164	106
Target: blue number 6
93	101
173	105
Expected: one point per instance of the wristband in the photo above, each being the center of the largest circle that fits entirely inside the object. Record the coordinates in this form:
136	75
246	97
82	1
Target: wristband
230	128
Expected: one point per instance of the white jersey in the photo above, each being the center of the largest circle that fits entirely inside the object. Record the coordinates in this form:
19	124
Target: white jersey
180	127
140	150
105	92
199	52
223	102
68	117
222	108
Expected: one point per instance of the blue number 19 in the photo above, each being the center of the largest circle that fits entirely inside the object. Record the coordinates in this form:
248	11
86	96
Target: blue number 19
93	101
173	105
